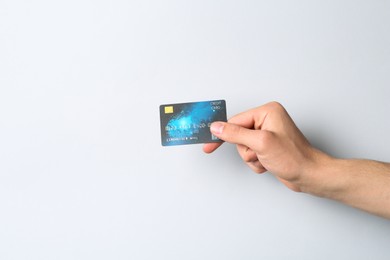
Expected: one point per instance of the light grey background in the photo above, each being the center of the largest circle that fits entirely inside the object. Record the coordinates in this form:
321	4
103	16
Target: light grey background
82	171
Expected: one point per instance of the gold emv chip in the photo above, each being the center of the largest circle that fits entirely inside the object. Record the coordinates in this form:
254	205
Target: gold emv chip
168	109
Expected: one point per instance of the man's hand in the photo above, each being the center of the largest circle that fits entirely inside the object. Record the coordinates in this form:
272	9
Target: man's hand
268	140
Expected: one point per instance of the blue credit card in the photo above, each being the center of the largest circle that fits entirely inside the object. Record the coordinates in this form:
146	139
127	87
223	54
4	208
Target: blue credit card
189	123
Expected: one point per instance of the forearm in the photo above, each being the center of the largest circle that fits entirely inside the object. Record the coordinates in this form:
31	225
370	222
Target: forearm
362	184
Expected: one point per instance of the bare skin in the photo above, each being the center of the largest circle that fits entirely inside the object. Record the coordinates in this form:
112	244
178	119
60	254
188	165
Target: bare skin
267	139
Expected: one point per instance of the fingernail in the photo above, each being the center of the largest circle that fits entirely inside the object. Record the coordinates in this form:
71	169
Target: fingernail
216	128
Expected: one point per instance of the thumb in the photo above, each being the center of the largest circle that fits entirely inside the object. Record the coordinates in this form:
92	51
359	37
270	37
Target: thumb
235	134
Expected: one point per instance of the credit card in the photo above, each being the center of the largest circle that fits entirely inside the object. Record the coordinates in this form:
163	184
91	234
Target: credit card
189	123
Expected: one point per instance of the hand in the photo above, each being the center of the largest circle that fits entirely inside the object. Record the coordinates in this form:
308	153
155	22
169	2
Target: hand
268	140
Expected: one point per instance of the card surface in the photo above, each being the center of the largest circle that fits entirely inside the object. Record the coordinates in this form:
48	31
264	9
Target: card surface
189	123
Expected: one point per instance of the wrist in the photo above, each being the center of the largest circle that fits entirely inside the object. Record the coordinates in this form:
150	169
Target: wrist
320	178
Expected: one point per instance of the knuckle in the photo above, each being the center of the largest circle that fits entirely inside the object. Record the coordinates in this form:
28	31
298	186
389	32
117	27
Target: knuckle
257	167
265	139
235	132
259	170
249	156
275	106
